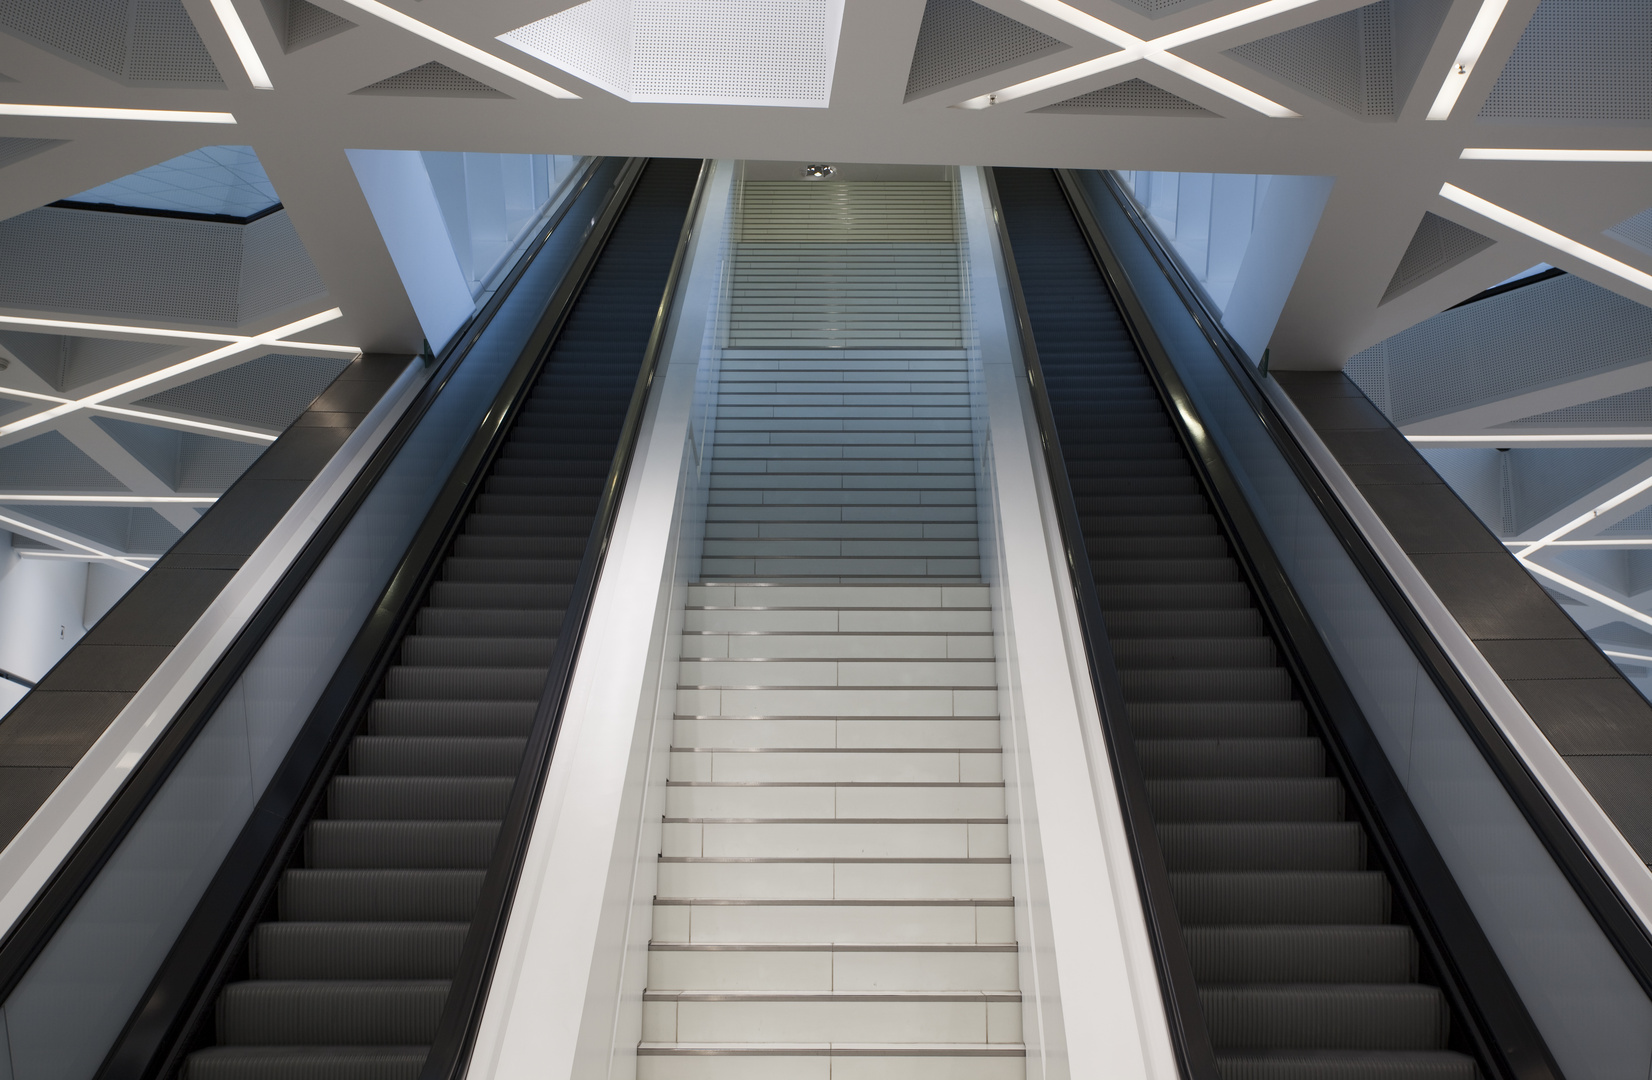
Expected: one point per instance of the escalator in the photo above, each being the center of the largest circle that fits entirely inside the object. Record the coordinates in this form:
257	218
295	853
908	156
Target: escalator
327	945
1306	963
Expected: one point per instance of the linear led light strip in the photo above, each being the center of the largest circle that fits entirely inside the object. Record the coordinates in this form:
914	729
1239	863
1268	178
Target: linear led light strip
109	500
123	330
463	48
1519	153
141	562
1636	542
1156	51
1479	32
82	112
1518	440
236	346
55	538
144	414
1583	519
242	41
1527	227
1593	594
1628	656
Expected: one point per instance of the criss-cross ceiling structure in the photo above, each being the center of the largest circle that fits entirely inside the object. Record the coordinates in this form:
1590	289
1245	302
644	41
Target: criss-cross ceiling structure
1461	143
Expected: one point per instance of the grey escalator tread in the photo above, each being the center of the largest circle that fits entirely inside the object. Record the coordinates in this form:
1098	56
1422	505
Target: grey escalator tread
348	981
1302	973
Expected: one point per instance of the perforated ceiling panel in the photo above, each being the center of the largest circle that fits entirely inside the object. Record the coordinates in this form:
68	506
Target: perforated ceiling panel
1635	231
1132	96
960	40
269	392
146	42
95	263
1536	336
1348	59
1437	246
307	24
136	530
432	80
1579	60
68	363
1635	407
14	150
50	462
276	271
715	52
156	448
207	465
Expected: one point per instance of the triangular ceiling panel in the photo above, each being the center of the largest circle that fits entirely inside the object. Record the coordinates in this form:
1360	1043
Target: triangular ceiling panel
13	150
299	23
1133	97
50	462
141	42
960	40
1346	60
1581	60
68	363
1436	246
432	80
156	448
1635	231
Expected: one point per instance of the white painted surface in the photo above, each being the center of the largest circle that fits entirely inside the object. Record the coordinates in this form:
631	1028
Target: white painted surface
1084	947
42	604
1284	229
566	998
404	203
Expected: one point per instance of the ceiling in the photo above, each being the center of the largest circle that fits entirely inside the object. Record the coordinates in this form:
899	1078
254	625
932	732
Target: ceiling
1329	88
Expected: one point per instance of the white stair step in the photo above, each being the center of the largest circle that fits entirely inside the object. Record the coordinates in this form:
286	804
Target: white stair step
840	596
837	701
827	732
837	673
833	967
960	1016
885	838
757	1061
837	646
833	801
743	877
835	766
922	921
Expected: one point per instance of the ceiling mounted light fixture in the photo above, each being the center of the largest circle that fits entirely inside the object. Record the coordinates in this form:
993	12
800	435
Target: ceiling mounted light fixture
81	112
1156	51
1543	235
242	42
462	48
1461	68
1520	153
819	172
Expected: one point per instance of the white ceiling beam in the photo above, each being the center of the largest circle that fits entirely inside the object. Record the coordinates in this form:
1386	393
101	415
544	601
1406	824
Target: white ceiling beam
116	460
1635	375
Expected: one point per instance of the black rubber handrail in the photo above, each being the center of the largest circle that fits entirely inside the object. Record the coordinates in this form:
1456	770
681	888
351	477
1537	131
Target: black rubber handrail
1628	934
1504	1036
52	904
157	1034
455	1037
1189	1035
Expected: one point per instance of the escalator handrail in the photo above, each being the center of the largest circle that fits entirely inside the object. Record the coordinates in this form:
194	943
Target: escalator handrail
35	926
1189	1036
450	1051
1628	934
158	1034
1470	972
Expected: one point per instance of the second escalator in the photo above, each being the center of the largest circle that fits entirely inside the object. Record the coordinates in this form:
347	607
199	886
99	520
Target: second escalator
1304	967
349	973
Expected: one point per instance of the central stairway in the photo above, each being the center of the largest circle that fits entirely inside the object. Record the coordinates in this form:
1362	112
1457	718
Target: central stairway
834	887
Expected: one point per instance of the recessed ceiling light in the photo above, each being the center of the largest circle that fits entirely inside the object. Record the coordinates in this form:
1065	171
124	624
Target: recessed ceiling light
819	172
1519	153
462	48
242	42
1461	68
81	112
1527	227
58	538
1155	51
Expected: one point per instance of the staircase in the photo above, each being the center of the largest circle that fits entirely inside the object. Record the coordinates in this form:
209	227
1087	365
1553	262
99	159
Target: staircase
834	889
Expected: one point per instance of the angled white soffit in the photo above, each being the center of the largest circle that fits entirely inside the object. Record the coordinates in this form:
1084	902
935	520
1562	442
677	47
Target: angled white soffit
716	52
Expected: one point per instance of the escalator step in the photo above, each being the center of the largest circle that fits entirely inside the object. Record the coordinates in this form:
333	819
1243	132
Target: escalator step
1265	898
1326	1017
1348	1065
1194	652
1263	846
330	1012
306	1063
496	570
1167	571
1303	954
399	845
1270	799
1235	622
1187	758
1218	719
379	895
418	798
519	547
400	755
451	718
325	950
431	651
465	683
1206	684
484	622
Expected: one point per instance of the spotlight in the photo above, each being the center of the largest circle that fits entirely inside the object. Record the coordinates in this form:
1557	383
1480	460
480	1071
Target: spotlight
819	172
